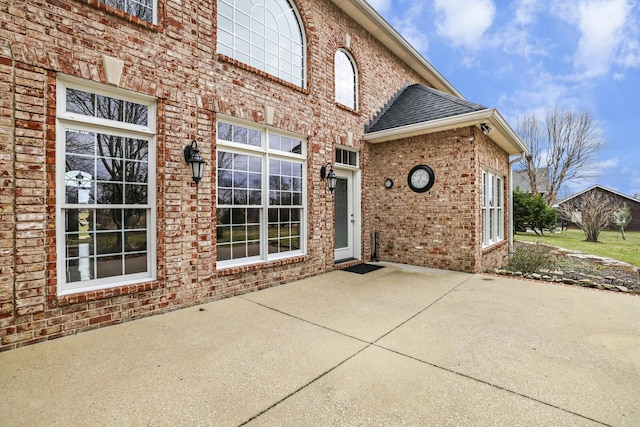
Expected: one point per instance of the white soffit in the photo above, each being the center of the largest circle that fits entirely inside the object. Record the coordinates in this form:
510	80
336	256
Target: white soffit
375	24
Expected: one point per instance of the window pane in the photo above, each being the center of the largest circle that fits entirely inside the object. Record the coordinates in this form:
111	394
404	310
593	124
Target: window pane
142	9
80	102
109	108
107	193
135	218
345	80
224	131
80	269
135	241
107	243
109	219
79	246
109	266
136	149
225	196
135	263
109	169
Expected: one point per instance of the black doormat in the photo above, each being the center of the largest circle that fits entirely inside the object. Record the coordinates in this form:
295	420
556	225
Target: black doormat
362	268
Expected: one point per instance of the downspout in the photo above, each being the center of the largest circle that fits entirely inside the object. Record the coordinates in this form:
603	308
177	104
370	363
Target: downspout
511	162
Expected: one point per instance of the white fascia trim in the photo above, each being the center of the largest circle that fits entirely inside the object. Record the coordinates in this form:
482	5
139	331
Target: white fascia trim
501	133
377	26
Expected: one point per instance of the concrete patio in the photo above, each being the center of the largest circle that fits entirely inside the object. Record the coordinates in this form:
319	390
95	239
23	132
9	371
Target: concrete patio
397	346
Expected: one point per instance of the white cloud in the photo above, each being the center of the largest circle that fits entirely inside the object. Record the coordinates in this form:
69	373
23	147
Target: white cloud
517	34
407	27
464	22
526	11
608	35
601	23
380	5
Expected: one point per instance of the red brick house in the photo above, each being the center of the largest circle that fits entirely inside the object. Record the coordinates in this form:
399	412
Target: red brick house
101	221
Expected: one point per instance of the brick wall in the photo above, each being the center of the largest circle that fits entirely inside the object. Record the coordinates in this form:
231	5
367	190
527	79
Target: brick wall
441	228
175	62
492	156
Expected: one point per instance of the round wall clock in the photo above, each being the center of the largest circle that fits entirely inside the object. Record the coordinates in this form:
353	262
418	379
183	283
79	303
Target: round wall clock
421	178
388	183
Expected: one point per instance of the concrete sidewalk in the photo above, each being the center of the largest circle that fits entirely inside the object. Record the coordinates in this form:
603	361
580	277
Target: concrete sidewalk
398	346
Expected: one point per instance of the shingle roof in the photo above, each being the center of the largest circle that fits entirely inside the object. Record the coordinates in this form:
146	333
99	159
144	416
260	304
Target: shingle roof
521	180
418	104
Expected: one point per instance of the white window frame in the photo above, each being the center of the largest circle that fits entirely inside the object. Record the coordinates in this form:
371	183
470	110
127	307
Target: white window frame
492	207
123	6
243	36
68	120
266	154
345	79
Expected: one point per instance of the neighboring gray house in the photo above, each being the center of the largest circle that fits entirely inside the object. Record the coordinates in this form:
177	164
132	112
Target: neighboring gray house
521	180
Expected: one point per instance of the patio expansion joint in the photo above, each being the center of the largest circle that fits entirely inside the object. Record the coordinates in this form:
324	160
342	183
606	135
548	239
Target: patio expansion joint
463	375
490	384
367	346
375	344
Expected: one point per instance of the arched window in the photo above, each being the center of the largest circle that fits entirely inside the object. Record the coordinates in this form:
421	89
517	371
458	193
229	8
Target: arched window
346	80
265	34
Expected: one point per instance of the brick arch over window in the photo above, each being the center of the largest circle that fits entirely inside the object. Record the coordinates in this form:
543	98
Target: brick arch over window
265	34
346	79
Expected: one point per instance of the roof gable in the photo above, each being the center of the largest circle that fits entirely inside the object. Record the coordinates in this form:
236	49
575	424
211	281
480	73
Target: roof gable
418	104
419	110
598	187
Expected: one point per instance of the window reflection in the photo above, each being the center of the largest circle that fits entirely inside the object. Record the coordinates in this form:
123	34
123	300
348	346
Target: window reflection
104	107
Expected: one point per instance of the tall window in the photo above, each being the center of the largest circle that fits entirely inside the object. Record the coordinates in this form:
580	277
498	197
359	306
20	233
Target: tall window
143	9
492	208
265	34
105	186
261	209
346	80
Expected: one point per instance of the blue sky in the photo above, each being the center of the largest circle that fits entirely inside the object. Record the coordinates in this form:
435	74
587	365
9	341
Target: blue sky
529	55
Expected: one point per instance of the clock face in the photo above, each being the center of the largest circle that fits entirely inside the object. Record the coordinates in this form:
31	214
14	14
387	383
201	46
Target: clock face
421	178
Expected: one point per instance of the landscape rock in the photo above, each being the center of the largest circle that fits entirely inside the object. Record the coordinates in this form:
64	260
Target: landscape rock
588	283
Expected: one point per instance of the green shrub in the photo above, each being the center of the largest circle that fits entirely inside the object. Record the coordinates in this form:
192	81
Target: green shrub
529	258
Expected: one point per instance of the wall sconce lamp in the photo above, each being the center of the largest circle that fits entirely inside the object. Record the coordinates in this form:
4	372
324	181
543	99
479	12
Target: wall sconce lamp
332	179
194	159
485	128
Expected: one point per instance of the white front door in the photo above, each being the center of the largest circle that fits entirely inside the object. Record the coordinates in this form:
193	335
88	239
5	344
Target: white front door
345	220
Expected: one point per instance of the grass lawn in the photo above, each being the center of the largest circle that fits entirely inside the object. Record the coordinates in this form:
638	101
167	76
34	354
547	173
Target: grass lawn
610	243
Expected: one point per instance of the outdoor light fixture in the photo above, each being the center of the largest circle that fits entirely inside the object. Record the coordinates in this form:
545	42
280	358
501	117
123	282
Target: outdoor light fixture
485	128
332	179
194	159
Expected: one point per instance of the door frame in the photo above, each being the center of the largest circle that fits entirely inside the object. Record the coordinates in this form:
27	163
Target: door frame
354	177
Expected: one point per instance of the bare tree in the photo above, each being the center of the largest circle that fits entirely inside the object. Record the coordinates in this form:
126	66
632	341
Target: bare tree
564	143
592	211
530	130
